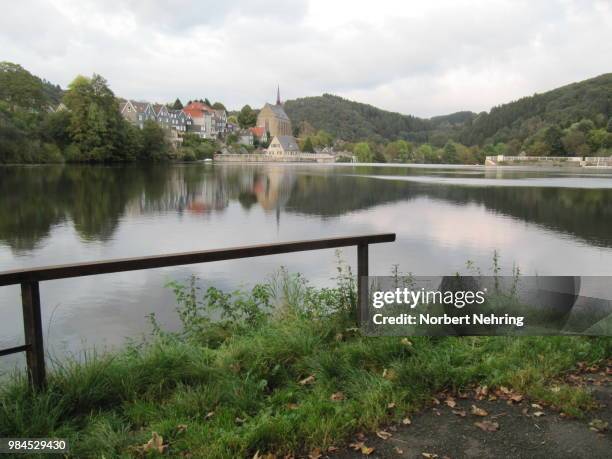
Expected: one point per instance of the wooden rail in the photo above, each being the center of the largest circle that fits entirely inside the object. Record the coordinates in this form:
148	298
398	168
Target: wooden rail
30	296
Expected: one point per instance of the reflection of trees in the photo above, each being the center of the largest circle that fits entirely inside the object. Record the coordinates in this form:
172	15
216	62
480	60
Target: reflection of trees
35	199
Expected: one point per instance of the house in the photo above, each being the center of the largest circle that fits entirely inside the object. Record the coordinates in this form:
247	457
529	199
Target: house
245	137
283	145
179	120
137	112
274	119
162	116
220	117
204	120
259	134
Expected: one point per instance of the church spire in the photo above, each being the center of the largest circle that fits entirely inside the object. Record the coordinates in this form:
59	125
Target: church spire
278	101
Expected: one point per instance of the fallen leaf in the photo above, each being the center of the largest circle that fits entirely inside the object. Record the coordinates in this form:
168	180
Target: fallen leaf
361	446
239	420
450	402
315	454
398	450
461	413
308	380
293	406
462	395
516	398
391	405
555	389
406	421
155	443
487	426
478	411
537	414
383	434
537	406
482	392
406	342
209	415
389	374
181	428
435	401
332	449
429	455
598	425
337	396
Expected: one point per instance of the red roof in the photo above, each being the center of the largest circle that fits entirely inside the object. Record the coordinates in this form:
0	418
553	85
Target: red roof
196	109
258	131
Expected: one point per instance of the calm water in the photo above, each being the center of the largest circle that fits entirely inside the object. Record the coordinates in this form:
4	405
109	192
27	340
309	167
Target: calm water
546	221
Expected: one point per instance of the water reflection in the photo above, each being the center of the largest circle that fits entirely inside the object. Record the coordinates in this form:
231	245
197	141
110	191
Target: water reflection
96	199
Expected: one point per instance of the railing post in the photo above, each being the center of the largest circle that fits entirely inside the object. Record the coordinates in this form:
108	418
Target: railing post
362	283
32	326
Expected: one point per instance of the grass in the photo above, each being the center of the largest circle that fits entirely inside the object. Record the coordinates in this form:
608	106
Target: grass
231	387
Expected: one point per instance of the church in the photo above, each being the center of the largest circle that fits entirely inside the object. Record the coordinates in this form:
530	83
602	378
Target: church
274	119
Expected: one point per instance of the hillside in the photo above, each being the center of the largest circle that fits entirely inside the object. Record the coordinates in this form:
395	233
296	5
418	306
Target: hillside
352	121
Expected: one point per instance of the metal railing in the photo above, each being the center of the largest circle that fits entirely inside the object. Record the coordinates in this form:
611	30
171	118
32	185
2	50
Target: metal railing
30	278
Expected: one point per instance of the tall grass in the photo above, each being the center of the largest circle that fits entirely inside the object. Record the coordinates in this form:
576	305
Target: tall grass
234	385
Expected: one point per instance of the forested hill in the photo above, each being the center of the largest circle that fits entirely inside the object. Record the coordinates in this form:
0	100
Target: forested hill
352	121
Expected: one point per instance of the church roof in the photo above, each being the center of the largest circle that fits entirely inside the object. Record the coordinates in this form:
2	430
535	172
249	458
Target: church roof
288	142
278	111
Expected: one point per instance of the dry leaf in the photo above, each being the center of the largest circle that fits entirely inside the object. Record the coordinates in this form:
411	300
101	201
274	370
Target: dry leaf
240	420
516	398
366	450
308	380
537	414
598	425
398	450
461	413
450	402
181	428
406	342
293	406
406	421
429	455
487	426
155	443
315	454
478	411
482	392
337	396
361	446
435	401
555	389
389	374
209	415
383	434
391	405
537	406
332	449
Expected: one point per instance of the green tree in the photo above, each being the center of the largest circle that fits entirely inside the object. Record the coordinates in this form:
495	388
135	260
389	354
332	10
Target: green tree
363	152
247	117
232	119
552	137
450	155
19	88
218	106
177	105
96	126
153	145
307	147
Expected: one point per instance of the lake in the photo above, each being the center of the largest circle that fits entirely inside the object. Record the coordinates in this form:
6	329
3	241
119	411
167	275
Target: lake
546	221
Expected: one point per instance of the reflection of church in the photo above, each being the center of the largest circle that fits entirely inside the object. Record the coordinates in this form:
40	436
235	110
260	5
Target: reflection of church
274	119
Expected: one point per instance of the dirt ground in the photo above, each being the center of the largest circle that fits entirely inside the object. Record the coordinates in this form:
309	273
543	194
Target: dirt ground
524	430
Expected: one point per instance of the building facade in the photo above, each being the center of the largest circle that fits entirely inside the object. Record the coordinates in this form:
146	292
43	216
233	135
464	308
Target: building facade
283	145
274	120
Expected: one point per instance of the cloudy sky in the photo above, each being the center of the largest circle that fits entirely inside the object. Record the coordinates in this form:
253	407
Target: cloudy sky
424	57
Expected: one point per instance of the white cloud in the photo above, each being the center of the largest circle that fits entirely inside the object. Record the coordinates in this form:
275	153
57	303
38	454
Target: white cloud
422	58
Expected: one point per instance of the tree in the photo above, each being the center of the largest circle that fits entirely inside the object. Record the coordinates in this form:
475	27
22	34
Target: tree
96	127
19	88
177	105
363	152
218	106
552	138
450	155
153	145
307	147
206	101
232	119
247	117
